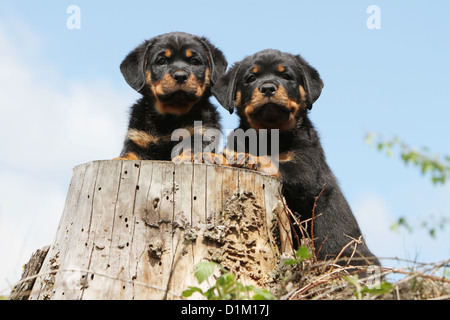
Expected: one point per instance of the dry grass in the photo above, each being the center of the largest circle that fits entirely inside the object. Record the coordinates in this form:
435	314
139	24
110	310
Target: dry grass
328	281
312	280
315	280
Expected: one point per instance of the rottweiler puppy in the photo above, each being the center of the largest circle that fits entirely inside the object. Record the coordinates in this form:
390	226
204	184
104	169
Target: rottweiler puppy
275	90
174	72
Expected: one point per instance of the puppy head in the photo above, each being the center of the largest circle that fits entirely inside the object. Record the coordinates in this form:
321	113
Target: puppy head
176	69
269	89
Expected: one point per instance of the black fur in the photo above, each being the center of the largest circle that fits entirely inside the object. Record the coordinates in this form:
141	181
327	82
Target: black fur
275	90
174	72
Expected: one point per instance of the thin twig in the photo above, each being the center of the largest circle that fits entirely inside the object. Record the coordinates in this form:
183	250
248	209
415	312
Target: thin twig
313	217
282	225
336	272
356	242
447	297
289	212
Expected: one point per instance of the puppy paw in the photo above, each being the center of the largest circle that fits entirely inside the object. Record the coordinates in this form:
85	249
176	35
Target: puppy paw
200	157
185	157
209	157
262	164
128	156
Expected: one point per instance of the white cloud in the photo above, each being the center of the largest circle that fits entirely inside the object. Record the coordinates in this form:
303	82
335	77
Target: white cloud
29	213
48	125
375	219
375	216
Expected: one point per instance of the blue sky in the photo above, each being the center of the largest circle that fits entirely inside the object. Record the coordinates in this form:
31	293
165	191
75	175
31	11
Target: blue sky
63	101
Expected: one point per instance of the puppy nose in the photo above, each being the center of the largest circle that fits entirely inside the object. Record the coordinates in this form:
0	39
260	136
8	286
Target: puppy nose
268	89
180	76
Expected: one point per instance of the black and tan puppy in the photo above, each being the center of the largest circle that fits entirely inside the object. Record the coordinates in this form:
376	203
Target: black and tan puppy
174	72
275	90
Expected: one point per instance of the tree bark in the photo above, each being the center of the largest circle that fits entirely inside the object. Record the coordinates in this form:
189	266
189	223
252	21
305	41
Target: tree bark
23	289
136	230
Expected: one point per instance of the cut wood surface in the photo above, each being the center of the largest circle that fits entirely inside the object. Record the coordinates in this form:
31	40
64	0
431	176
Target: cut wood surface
136	230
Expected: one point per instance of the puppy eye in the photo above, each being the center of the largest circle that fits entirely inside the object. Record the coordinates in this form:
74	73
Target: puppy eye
196	62
161	61
287	76
250	78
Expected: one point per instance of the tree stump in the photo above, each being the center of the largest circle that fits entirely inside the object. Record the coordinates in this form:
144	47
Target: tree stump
136	230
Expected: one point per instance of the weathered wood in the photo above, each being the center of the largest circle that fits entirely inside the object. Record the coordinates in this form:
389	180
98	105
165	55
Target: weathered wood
136	230
23	289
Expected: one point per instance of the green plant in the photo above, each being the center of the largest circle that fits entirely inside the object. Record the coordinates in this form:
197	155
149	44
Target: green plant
433	164
432	223
226	287
360	291
301	254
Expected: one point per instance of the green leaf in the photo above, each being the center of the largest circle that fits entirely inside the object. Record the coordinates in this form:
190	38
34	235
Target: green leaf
226	287
203	270
226	279
303	253
188	292
353	280
389	152
432	233
262	294
210	294
369	138
385	287
290	262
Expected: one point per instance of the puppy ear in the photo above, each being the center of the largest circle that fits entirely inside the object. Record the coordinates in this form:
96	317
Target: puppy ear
313	82
225	89
218	63
133	66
